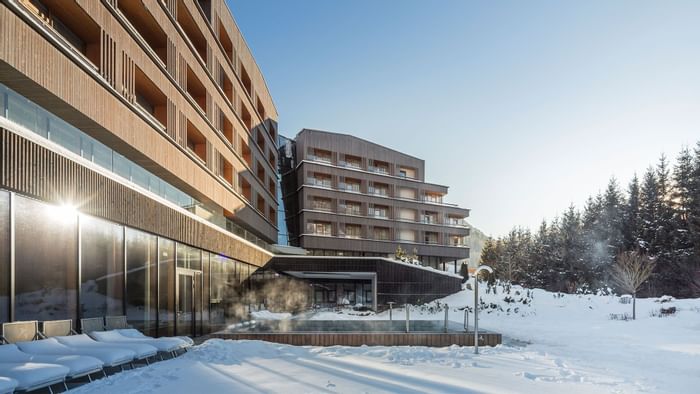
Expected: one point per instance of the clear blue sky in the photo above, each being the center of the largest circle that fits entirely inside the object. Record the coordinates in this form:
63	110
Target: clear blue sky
522	108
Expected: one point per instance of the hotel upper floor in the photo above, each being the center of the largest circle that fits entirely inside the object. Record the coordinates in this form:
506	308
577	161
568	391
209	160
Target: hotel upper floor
346	194
162	93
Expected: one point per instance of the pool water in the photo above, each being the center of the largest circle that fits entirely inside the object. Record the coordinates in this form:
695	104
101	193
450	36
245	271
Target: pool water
289	326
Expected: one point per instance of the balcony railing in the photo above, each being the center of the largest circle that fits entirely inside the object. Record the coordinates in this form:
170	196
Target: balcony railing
433	199
378	191
322	159
320	182
350	210
378	170
456	222
321	206
352	187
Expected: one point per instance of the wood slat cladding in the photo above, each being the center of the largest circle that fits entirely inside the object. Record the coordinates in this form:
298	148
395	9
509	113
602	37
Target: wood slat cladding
31	169
108	61
88	92
128	80
368	339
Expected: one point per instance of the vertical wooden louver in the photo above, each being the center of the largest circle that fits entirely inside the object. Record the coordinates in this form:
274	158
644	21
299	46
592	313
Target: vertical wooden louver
181	129
108	62
172	57
172	120
128	87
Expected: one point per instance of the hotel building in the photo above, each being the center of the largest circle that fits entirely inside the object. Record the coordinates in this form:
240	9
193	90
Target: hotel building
345	196
139	172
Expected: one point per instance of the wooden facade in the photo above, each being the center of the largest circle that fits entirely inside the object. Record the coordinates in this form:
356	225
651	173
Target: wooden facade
36	171
147	78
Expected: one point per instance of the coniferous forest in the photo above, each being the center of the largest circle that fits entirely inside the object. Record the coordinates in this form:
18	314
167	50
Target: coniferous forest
657	214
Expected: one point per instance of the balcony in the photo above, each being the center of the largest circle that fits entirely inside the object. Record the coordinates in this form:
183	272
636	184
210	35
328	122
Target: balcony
378	191
350	187
456	222
320	158
432	198
379	170
322	205
350	210
319	182
191	30
146	26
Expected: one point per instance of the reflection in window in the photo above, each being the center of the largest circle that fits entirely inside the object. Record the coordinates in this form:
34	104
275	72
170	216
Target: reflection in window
102	268
4	257
141	280
189	257
46	261
166	280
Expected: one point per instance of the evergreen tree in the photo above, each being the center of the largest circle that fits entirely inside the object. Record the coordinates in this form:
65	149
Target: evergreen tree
572	251
682	253
630	217
648	212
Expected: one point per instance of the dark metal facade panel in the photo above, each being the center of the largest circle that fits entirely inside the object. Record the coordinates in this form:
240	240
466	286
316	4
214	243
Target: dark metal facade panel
396	282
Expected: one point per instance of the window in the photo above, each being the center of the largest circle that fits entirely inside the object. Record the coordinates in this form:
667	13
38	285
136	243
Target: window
381	233
46	261
431	237
353	231
407	172
380	211
379	189
380	167
323	204
246	190
261	109
101	268
352	162
320	179
189	257
350	184
4	256
246	118
141	280
166	279
319	228
430	218
350	208
260	172
226	128
321	155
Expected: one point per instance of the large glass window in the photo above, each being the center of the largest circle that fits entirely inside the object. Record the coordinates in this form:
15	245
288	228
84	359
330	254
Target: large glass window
218	289
189	257
46	261
102	268
166	286
141	280
4	256
205	291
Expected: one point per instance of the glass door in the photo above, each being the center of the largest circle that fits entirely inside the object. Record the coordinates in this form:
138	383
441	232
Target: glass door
185	324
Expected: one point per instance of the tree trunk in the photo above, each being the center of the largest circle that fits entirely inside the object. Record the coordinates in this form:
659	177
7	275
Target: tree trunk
634	306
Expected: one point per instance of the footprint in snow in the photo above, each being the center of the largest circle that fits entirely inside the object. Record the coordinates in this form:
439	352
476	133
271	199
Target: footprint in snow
330	385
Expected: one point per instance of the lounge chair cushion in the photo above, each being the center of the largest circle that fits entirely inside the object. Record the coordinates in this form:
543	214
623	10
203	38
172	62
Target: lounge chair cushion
78	365
7	385
134	333
107	355
30	376
162	344
83	341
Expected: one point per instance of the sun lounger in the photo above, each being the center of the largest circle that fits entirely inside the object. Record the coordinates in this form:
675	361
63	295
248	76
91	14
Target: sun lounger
120	324
32	376
7	385
62	331
167	345
78	365
109	356
137	351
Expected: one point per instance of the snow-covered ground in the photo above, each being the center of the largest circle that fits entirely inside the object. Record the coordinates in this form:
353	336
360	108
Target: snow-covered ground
555	344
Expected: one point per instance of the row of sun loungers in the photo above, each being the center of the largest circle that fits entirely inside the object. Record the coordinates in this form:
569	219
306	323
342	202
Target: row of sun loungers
33	359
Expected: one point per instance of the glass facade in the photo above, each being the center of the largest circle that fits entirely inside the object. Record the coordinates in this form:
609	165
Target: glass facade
4	256
101	268
46	255
36	119
72	266
141	280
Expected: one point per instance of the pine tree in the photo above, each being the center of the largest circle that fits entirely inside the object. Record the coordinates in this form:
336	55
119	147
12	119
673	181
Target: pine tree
648	211
682	253
630	217
572	251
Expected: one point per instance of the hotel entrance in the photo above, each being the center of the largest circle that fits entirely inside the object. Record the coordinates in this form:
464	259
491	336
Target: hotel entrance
188	302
